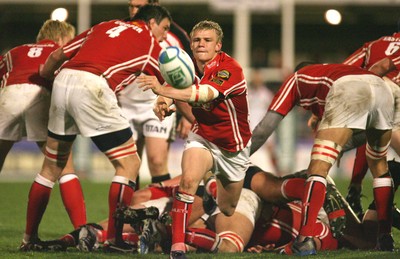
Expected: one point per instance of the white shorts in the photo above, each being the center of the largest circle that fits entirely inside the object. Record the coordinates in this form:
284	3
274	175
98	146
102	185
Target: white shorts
24	110
396	95
83	103
359	102
249	205
137	107
229	165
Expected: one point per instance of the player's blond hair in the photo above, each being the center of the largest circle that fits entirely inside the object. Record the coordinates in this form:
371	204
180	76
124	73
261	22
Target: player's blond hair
71	31
209	25
55	30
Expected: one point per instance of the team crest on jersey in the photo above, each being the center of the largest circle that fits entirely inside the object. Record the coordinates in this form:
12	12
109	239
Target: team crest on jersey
224	74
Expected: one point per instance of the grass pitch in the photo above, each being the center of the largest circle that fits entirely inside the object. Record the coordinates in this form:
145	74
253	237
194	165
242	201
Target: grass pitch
55	223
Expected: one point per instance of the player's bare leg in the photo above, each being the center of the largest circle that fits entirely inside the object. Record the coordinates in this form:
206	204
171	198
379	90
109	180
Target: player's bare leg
236	227
228	194
326	148
196	162
121	190
56	156
157	150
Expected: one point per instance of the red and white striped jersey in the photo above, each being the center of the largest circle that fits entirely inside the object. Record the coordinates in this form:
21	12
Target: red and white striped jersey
309	87
225	120
279	229
116	50
283	226
20	65
373	51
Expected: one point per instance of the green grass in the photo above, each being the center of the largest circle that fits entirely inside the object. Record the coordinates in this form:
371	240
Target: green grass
55	223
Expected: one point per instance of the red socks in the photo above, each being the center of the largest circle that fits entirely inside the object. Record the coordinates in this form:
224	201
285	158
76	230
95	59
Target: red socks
72	196
211	187
38	199
313	199
181	210
202	238
293	188
383	196
121	191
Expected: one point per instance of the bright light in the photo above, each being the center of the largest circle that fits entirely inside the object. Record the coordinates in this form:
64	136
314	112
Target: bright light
333	17
60	14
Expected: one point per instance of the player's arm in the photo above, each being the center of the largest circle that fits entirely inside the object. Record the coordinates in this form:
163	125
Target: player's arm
53	62
186	110
264	129
197	93
357	139
383	66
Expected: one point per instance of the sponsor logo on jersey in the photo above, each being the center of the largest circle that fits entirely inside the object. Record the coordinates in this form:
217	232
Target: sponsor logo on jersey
217	80
212	64
103	127
152	128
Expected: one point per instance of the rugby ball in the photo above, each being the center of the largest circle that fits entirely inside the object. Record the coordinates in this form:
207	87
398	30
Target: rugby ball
176	67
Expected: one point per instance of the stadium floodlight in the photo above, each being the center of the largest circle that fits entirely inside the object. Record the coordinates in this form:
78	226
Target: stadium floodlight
333	17
60	14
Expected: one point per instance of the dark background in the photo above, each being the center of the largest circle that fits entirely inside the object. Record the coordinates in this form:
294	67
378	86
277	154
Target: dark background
315	39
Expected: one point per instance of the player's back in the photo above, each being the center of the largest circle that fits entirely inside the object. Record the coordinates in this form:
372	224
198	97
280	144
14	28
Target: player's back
381	48
376	50
118	51
384	47
21	64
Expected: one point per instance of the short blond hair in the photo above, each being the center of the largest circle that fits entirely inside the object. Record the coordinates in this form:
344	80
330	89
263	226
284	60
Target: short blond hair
208	25
55	30
71	31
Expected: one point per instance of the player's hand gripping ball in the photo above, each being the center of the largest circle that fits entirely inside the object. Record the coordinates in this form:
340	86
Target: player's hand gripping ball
176	67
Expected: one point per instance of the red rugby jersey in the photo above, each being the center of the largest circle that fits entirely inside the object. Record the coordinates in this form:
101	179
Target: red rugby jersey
373	51
282	227
117	51
225	120
309	87
20	65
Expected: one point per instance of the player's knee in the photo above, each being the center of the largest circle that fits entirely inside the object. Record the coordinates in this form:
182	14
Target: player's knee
188	184
375	152
227	209
157	165
231	242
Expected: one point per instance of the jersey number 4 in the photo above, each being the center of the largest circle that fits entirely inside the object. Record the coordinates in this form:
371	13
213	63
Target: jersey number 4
116	31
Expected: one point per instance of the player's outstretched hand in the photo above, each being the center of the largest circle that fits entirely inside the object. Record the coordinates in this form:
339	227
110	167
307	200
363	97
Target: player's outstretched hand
162	109
146	82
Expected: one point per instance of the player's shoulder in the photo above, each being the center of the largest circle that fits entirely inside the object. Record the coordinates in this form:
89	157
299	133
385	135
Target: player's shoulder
228	61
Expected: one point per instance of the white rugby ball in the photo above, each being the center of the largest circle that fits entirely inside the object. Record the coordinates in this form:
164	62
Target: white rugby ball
176	67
